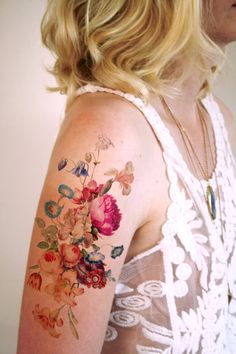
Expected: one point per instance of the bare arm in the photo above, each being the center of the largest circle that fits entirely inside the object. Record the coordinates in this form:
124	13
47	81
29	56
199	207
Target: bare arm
85	221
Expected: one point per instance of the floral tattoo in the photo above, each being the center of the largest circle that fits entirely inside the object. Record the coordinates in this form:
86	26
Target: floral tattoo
71	261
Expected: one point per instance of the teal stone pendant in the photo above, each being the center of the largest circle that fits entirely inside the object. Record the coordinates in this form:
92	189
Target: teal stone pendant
211	202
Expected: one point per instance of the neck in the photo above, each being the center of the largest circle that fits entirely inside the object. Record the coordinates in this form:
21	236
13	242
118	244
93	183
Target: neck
184	105
186	101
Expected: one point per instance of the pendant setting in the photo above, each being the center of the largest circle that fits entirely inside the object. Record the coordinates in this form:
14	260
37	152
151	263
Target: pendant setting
211	202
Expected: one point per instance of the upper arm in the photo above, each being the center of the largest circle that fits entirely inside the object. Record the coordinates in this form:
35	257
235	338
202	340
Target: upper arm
230	123
84	224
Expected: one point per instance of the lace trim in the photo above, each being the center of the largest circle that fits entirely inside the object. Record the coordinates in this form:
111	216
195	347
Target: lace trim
111	334
150	350
134	302
125	318
155	337
155	328
177	169
141	255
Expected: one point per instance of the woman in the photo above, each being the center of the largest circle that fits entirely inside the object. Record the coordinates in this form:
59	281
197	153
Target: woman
133	249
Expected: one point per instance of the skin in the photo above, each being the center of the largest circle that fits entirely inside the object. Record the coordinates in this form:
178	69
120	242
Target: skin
91	114
221	27
140	227
222	30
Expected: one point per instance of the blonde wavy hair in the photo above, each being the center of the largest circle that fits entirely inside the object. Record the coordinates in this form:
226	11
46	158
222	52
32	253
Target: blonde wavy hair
136	46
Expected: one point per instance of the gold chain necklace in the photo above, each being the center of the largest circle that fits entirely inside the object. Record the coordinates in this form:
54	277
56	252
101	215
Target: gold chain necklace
230	295
209	194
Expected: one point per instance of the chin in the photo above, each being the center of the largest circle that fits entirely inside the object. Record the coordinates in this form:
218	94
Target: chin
224	37
221	27
223	40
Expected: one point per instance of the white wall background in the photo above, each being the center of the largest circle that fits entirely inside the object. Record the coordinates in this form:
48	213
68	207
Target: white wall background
29	121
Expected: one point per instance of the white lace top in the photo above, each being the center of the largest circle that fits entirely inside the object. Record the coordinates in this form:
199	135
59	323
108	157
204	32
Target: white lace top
173	298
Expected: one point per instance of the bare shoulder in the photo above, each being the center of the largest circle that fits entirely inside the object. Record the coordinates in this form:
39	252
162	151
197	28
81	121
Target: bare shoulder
98	115
230	122
132	136
105	108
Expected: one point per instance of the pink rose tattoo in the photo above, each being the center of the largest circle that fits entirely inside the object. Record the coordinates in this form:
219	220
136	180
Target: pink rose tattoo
105	214
71	261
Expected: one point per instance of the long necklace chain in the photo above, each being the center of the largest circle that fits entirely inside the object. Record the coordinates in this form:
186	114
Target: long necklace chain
185	136
193	157
206	175
230	295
